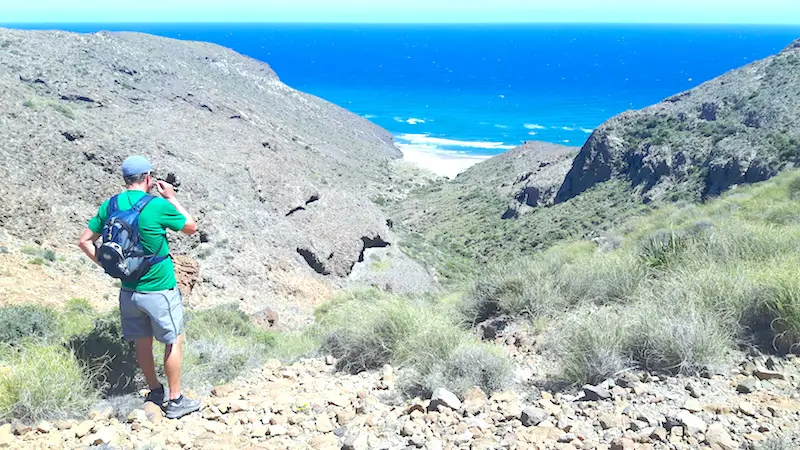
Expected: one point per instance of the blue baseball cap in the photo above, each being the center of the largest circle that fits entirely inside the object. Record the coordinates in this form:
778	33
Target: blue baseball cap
135	165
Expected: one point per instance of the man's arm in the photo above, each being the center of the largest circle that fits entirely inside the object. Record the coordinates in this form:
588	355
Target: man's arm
168	192
86	243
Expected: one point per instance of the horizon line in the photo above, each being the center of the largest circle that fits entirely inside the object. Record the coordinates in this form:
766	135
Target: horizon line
440	23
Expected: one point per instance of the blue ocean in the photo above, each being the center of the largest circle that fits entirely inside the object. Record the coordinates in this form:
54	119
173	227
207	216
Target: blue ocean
481	89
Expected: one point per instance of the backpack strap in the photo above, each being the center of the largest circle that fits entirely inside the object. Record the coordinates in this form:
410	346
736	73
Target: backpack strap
144	201
113	205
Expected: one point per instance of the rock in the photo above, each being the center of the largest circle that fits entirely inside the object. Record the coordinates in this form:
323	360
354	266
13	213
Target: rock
608	421
754	437
747	409
6	435
691	423
212	426
659	434
325	442
137	415
84	428
474	400
104	436
345	415
694	389
623	444
101	414
595	393
64	424
238	406
434	444
20	428
747	386
356	441
692	405
444	397
259	431
409	429
273	364
719	439
330	360
532	416
44	427
766	374
277	430
323	424
154	412
417	440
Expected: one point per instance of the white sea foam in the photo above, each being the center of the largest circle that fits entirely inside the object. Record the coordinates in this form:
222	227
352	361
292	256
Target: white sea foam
446	163
587	130
534	126
568	128
414	121
399	119
502	127
532	133
424	139
369	116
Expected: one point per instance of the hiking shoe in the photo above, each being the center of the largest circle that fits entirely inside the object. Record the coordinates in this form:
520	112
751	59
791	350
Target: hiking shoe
182	406
155	396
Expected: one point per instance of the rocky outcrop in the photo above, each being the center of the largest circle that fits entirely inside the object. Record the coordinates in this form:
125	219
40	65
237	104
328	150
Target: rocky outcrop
742	127
267	170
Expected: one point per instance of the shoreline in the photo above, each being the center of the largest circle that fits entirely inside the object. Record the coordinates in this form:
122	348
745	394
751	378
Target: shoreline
442	163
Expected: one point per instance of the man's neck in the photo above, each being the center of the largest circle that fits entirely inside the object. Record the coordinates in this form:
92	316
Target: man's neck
137	187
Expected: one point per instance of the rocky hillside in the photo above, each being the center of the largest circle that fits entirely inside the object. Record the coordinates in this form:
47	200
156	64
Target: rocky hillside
279	180
497	209
739	128
742	127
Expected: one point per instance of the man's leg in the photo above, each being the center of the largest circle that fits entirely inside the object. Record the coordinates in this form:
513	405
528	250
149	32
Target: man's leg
144	354
166	312
136	326
172	366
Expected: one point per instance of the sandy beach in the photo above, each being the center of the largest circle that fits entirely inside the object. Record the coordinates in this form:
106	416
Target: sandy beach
441	163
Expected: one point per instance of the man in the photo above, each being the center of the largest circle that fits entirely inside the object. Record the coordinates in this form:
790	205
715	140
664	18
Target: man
152	306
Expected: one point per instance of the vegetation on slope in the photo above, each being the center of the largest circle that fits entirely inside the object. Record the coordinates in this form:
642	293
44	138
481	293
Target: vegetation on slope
463	230
686	287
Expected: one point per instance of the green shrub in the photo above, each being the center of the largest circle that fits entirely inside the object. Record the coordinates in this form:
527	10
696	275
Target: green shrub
37	261
65	110
401	332
793	189
780	293
469	365
49	255
591	345
222	343
662	247
43	383
31	250
529	288
19	322
110	358
678	338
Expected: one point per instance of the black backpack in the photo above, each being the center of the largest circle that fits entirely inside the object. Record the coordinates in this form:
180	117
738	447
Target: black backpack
121	254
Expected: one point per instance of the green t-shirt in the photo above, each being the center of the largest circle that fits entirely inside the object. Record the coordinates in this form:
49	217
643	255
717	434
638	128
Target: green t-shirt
154	220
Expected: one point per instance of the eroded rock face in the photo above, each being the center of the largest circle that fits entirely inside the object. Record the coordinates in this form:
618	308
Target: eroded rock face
742	127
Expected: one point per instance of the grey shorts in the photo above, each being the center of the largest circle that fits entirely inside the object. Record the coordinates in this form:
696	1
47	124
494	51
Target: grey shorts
158	314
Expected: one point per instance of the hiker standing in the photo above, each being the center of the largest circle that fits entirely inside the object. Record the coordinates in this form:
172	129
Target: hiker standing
134	249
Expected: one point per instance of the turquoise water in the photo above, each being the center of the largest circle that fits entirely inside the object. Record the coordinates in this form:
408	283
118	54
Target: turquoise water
485	88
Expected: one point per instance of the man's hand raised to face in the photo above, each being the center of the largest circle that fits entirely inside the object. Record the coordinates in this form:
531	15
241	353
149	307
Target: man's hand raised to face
165	189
